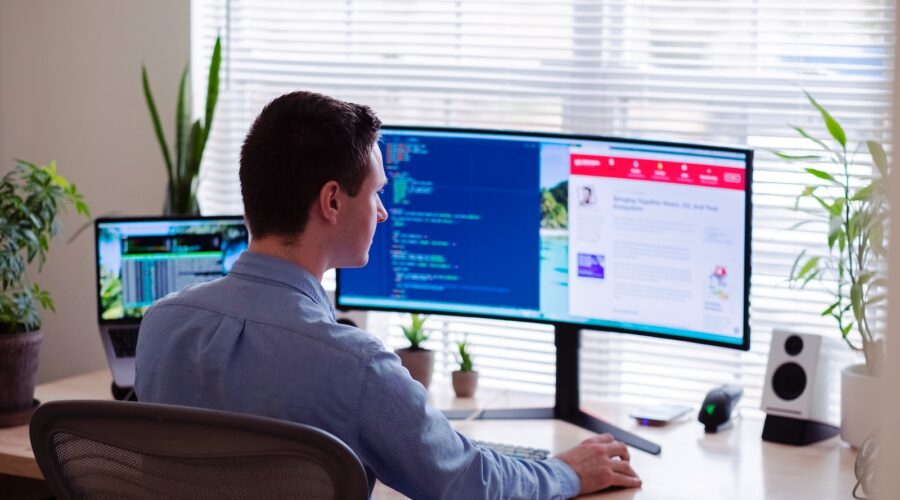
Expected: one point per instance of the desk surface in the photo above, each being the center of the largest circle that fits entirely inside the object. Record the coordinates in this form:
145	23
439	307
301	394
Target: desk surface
733	464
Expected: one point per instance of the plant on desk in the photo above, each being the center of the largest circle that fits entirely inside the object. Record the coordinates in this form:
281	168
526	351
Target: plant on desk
853	269
30	199
418	360
190	140
465	380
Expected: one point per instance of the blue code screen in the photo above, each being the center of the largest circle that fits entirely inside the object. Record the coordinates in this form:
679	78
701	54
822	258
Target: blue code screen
460	229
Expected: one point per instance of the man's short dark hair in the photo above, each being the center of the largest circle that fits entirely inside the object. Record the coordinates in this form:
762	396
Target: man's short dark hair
299	142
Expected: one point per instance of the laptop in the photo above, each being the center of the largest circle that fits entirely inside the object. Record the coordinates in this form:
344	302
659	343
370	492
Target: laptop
142	259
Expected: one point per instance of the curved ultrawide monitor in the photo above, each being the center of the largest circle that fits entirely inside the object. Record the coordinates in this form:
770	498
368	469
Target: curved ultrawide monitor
634	236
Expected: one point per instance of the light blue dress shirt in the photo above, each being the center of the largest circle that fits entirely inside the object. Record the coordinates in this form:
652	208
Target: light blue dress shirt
263	340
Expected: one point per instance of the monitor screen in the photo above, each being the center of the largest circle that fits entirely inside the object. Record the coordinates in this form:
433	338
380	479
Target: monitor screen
625	235
140	260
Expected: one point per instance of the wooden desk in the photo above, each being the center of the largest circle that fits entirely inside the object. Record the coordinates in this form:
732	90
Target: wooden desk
733	464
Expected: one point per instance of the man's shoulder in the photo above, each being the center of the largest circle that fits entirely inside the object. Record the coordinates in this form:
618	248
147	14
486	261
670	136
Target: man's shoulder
295	320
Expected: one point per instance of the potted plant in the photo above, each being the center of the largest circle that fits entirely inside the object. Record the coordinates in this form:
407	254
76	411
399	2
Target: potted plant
418	360
853	270
30	199
190	139
465	380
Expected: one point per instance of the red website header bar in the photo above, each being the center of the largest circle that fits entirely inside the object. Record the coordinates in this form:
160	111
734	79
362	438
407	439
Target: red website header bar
640	169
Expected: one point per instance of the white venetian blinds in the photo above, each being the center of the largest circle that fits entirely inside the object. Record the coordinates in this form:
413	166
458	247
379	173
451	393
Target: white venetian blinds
721	71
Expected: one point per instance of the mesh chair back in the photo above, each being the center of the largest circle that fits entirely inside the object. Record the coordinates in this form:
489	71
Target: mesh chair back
109	449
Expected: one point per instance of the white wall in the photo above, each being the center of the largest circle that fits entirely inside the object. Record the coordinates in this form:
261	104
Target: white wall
70	91
890	453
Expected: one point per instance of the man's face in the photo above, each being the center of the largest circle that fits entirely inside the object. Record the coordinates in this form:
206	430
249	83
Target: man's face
364	212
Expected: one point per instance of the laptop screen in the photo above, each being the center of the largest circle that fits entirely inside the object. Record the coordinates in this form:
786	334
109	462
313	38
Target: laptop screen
141	260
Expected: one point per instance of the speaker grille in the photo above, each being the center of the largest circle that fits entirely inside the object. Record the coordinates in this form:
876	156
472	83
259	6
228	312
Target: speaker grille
789	381
793	345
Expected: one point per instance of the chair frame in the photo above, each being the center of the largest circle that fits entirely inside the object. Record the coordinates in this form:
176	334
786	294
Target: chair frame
183	432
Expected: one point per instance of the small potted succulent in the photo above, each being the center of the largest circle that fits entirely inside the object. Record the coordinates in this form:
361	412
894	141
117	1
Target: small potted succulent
465	380
415	358
31	197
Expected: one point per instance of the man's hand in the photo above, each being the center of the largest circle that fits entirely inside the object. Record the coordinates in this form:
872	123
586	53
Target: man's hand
601	462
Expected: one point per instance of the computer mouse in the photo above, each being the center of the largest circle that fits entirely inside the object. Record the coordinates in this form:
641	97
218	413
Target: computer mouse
717	407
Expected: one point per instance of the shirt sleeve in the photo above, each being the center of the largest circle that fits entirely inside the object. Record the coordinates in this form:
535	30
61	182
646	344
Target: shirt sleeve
412	448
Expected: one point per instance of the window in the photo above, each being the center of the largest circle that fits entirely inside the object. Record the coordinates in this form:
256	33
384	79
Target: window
724	71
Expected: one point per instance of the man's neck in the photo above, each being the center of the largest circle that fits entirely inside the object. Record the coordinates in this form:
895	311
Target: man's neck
303	255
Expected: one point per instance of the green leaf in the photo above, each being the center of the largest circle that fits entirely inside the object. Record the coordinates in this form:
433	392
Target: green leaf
830	308
182	122
811	276
846	330
82	208
856	300
212	91
809	190
791	276
853	226
864	277
879	157
789	157
865	193
837	208
157	126
195	143
833	126
823	175
809	266
823	203
804	133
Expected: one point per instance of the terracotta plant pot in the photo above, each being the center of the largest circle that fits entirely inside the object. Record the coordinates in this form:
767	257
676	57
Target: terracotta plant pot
465	383
419	362
18	371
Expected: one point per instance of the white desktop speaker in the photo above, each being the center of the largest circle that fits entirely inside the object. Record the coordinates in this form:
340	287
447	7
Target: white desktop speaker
797	387
358	319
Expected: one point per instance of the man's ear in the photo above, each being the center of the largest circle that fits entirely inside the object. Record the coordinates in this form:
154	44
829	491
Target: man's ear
329	201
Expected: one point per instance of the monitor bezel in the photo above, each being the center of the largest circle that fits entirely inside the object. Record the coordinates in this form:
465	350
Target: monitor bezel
152	218
744	345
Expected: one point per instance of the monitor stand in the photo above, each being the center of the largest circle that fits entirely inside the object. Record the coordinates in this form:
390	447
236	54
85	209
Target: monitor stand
567	406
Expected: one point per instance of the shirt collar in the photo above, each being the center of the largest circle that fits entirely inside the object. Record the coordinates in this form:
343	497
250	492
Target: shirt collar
274	269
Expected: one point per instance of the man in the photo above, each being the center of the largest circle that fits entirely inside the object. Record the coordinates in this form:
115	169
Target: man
263	340
587	196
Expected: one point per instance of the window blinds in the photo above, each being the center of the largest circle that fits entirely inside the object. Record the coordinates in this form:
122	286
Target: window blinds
722	71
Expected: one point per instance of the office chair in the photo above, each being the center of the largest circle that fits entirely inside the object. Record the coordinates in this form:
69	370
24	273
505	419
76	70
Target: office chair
113	449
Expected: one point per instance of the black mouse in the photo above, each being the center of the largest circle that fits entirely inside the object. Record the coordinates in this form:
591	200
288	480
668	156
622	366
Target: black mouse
715	413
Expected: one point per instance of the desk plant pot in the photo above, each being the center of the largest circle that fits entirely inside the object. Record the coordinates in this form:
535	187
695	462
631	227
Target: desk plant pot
465	380
859	394
18	371
465	383
419	362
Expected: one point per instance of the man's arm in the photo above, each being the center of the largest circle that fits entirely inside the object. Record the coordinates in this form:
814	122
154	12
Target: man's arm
412	448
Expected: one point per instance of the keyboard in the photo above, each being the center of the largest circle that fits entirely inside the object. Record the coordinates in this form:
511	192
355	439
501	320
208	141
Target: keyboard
515	451
124	340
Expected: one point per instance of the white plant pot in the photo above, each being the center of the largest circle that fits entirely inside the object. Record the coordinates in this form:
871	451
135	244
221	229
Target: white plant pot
860	395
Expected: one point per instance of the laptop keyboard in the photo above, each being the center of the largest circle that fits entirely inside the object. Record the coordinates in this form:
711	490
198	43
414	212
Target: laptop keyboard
124	340
515	451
